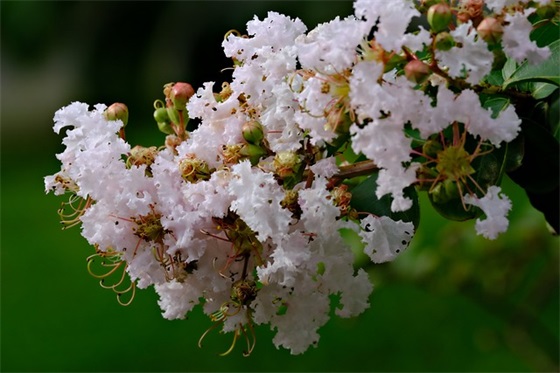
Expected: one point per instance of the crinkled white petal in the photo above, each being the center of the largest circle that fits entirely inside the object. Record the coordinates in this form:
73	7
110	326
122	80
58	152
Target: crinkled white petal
384	238
472	56
257	198
496	207
516	39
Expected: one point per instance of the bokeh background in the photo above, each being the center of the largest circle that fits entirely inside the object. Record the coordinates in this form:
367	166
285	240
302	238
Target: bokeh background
452	302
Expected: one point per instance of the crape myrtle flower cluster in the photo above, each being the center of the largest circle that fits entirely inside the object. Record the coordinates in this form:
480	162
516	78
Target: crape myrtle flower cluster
244	214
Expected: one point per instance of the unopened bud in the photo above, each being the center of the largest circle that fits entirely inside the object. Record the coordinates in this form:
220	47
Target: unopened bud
417	71
491	30
444	41
162	120
180	94
253	132
439	16
117	111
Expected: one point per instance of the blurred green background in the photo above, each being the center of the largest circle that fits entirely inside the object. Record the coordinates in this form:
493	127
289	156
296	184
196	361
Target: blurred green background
452	302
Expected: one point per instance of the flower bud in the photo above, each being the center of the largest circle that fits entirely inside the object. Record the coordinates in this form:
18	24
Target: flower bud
160	115
491	30
117	111
180	94
162	120
444	41
439	16
417	71
253	132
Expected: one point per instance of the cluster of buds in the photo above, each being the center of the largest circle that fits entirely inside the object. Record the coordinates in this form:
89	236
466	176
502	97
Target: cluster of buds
319	133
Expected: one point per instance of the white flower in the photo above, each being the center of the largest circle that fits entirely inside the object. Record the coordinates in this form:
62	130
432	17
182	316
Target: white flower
516	41
257	201
276	31
393	181
394	17
176	299
385	238
331	47
466	108
472	57
495	206
325	167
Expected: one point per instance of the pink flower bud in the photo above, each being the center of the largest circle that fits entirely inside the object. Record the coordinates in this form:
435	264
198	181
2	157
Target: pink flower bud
117	111
180	94
491	30
417	71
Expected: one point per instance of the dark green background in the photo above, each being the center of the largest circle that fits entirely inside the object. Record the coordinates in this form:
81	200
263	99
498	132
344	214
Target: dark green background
452	302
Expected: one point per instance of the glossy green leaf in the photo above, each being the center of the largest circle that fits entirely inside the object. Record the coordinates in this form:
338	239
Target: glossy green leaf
496	104
509	68
541	90
547	71
365	200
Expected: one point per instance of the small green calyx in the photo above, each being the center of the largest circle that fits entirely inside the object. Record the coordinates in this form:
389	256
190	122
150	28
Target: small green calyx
140	155
444	41
287	164
149	227
439	16
117	111
445	191
454	162
194	169
244	291
253	152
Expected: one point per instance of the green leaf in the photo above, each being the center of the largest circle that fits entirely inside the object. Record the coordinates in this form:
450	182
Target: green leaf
541	90
547	71
364	199
496	104
544	32
509	68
